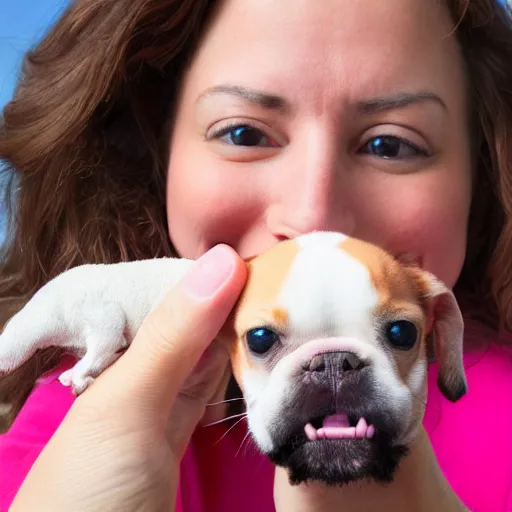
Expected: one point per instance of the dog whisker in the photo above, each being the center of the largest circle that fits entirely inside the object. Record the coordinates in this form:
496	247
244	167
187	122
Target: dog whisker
246	437
225	419
229	429
225	401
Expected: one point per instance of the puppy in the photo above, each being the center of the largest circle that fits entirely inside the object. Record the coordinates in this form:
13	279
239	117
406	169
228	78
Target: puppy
94	311
328	344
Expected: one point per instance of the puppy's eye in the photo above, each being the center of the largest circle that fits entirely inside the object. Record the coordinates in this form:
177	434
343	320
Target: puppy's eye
261	340
402	334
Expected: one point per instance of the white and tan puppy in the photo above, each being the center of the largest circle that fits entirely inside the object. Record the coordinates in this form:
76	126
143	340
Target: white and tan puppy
328	344
331	356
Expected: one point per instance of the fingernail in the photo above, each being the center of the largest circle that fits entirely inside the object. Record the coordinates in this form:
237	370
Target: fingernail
209	273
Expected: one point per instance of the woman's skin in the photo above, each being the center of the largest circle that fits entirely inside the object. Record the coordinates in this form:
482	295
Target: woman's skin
333	115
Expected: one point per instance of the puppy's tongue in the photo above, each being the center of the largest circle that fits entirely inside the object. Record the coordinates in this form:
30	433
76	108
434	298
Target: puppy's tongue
337	426
336	420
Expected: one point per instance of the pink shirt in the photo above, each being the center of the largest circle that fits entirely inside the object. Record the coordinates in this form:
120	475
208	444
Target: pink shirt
472	440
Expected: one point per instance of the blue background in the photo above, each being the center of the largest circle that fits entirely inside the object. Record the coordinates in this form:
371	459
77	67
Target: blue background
22	24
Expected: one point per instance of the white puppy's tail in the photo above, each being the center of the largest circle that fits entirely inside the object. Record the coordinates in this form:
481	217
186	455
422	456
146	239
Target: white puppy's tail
21	337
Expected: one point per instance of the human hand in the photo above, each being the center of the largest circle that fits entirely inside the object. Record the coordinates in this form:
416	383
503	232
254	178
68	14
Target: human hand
120	445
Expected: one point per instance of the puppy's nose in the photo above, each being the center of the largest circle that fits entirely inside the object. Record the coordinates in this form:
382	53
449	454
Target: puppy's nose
334	362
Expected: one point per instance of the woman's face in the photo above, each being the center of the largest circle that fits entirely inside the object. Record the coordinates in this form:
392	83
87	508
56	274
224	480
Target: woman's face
332	115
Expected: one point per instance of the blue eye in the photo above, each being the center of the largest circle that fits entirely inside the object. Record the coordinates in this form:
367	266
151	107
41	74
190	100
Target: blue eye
392	148
402	334
261	340
244	135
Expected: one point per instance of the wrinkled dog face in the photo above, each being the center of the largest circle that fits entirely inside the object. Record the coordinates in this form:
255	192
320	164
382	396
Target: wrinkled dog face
331	356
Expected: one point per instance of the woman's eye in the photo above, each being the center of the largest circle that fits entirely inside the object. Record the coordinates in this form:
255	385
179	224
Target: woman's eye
392	147
245	135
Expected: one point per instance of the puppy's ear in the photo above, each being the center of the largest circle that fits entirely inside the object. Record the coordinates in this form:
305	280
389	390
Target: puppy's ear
447	332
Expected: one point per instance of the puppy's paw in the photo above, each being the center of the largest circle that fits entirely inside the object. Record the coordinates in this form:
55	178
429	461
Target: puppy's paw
82	375
66	378
78	383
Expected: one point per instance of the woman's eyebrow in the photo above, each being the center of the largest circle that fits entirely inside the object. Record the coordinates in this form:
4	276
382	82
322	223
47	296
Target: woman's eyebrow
397	101
260	98
370	106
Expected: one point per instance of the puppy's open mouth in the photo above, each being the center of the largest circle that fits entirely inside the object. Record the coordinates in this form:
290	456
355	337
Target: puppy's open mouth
339	426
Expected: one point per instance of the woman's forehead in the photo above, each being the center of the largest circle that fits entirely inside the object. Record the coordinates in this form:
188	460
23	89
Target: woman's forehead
319	51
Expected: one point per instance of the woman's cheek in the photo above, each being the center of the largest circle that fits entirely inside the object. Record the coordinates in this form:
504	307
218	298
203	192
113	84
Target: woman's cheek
209	205
431	224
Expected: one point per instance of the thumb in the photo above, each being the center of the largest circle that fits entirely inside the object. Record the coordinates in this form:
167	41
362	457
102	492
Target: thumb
173	337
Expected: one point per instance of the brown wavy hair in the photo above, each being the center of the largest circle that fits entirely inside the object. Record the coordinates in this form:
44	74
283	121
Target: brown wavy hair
85	143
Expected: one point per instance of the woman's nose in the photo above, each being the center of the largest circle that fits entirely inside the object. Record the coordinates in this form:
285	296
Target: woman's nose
314	197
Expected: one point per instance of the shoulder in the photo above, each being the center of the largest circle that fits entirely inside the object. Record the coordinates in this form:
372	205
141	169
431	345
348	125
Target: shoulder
472	437
37	421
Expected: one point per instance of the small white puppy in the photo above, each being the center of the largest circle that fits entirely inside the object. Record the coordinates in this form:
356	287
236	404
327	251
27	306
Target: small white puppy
92	310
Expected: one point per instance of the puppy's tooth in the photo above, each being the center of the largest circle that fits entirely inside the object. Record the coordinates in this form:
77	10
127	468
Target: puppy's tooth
351	432
311	432
370	432
339	432
361	428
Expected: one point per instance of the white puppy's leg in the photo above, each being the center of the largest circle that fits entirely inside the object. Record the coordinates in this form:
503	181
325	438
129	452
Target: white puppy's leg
105	338
82	375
